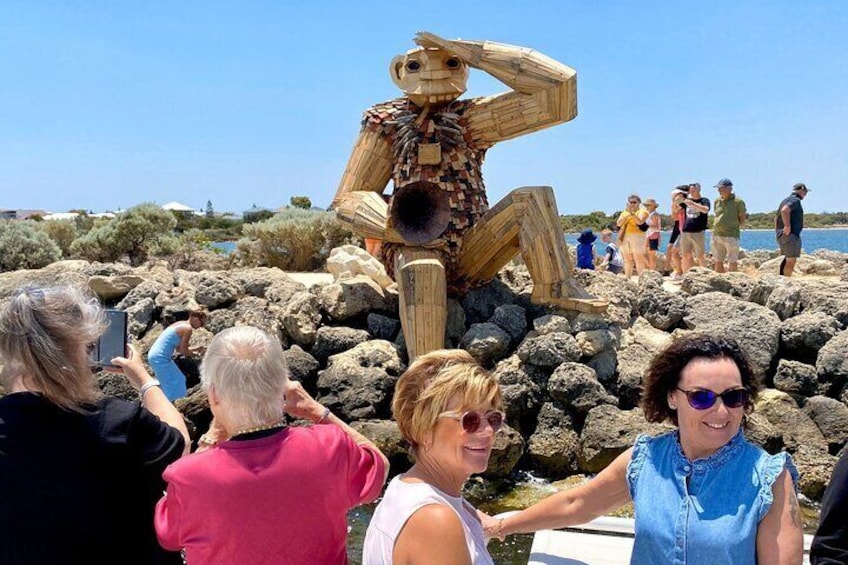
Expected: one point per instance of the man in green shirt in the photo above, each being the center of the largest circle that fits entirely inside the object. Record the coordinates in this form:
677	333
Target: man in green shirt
730	216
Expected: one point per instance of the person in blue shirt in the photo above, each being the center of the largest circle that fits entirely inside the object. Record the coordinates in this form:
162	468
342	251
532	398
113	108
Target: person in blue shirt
702	494
586	250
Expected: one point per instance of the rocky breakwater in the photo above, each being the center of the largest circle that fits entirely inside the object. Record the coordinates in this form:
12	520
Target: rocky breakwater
571	382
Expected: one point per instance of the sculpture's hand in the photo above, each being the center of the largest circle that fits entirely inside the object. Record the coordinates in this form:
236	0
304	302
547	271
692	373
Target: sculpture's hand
462	49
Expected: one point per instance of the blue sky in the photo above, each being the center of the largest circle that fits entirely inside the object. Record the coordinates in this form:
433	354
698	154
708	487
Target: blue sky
106	104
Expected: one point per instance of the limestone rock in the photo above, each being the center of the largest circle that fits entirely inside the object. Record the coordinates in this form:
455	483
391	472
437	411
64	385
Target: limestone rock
593	342
605	365
831	417
757	329
815	467
358	384
386	436
139	317
349	298
549	350
303	367
785	301
550	323
145	290
301	318
633	361
215	290
700	281
802	336
349	261
832	361
506	451
576	386
112	288
553	447
521	387
784	415
608	432
760	432
258	280
795	378
663	310
281	289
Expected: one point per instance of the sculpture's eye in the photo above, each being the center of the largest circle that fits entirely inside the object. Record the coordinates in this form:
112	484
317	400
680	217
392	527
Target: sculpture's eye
452	63
413	66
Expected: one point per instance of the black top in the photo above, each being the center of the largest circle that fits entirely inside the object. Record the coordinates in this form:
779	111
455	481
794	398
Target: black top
696	221
796	215
81	487
830	545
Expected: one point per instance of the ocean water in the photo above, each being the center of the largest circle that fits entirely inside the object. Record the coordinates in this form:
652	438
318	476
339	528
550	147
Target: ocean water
811	239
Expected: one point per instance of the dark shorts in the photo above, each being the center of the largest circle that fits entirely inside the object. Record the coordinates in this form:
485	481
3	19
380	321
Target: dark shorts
675	233
790	245
654	244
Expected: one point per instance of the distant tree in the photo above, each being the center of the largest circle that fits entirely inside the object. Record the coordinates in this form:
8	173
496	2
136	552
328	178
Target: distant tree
301	202
23	246
133	234
210	213
62	232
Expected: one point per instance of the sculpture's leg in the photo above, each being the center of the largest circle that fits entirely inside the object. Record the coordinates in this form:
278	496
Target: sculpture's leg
526	221
420	274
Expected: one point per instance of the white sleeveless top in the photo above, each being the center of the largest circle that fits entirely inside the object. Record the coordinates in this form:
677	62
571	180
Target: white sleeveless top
399	503
650	220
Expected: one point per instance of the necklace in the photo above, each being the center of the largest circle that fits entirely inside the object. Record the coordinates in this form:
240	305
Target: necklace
260	428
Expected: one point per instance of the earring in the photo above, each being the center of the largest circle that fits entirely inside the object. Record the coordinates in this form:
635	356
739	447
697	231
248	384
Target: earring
427	446
672	407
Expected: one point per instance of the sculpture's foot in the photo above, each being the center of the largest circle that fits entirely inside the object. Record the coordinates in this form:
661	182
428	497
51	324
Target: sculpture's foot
579	301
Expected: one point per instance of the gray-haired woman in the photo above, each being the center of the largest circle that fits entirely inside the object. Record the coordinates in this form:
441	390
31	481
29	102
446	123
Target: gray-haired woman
79	472
260	492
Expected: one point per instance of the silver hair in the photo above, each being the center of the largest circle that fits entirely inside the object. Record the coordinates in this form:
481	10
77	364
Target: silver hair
246	368
44	331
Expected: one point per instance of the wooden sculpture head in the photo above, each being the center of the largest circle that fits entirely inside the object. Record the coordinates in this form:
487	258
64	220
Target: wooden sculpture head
429	76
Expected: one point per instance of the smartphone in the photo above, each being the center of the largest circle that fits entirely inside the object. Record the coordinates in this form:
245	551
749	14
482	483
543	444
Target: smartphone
113	342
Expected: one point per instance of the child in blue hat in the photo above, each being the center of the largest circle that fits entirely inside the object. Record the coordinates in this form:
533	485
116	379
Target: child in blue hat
586	250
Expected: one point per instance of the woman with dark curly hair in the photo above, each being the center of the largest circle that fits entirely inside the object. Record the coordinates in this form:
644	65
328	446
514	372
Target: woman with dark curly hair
701	493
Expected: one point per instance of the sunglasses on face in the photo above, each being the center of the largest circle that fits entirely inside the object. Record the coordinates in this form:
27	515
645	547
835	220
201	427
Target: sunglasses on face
702	399
472	420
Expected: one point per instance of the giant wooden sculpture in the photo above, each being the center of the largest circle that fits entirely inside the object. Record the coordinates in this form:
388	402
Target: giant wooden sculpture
439	235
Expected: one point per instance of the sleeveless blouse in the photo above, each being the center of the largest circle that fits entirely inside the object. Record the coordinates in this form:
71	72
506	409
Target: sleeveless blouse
702	512
399	503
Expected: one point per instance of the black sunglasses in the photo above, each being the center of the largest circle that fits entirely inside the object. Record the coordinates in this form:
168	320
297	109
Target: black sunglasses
702	399
472	420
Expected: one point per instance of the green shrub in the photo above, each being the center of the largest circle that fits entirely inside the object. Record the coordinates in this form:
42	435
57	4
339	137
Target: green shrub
134	234
62	232
193	251
293	240
23	246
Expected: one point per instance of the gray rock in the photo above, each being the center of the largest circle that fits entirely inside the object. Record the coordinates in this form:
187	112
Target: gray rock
549	350
512	319
303	367
455	327
550	323
331	340
487	343
139	317
506	451
804	335
805	265
838	258
757	329
576	387
795	378
794	425
281	289
700	281
832	362
826	295
764	286
608	432
785	301
58	273
593	342
219	320
588	322
113	384
195	409
301	318
349	298
553	447
145	290
175	304
259	313
383	327
815	467
622	294
662	309
112	288
215	290
633	361
831	417
386	436
257	281
760	432
480	303
358	383
521	390
605	365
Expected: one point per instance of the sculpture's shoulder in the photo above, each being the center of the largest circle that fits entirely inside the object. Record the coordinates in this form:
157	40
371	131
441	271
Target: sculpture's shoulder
386	114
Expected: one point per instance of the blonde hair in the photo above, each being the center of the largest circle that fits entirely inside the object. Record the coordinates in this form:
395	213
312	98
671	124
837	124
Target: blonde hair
44	332
428	385
247	369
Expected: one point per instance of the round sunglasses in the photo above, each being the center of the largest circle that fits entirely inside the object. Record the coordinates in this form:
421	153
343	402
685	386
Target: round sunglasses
700	399
472	420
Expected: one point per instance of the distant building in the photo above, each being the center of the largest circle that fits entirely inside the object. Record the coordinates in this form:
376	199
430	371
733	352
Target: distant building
21	214
257	214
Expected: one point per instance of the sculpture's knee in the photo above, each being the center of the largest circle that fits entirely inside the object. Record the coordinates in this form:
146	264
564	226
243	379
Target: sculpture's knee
428	271
527	191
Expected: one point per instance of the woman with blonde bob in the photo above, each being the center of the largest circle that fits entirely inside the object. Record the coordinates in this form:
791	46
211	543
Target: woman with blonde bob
448	408
259	492
80	471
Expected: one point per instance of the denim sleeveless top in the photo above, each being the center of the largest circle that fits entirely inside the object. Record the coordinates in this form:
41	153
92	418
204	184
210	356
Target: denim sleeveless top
704	511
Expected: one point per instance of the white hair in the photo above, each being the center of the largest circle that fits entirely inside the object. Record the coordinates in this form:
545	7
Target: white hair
246	368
